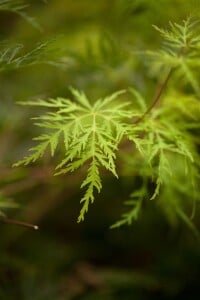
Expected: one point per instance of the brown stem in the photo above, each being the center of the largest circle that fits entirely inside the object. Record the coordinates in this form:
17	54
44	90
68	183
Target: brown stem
160	89
18	223
157	96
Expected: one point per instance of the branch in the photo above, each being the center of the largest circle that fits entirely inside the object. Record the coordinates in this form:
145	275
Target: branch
18	223
157	97
160	89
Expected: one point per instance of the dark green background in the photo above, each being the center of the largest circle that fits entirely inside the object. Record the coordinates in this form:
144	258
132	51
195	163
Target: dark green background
93	46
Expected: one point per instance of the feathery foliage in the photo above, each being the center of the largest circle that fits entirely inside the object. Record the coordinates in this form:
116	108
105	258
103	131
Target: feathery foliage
161	134
181	51
91	135
11	56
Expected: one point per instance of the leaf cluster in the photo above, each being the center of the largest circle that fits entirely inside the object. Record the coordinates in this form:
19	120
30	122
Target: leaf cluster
14	57
180	51
162	135
91	135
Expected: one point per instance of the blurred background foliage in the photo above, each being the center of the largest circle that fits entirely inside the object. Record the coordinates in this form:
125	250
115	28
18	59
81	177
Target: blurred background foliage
93	46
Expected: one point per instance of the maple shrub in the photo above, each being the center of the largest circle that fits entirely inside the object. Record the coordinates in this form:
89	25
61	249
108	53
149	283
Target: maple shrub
162	137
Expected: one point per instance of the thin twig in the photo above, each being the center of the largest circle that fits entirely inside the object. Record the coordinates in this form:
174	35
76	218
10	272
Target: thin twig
160	89
18	223
157	96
